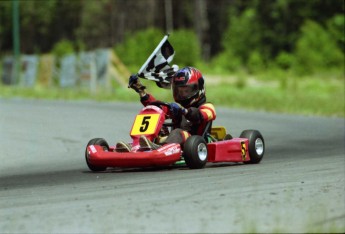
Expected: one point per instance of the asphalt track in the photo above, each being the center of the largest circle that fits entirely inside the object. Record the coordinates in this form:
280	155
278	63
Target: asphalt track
46	187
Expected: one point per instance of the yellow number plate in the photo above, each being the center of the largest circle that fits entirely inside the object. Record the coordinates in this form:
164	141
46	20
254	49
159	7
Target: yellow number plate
145	124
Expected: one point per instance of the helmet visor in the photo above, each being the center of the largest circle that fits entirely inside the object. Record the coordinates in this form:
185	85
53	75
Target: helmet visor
183	92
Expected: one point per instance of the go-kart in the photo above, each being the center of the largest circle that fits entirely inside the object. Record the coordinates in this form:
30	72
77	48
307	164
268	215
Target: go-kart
212	146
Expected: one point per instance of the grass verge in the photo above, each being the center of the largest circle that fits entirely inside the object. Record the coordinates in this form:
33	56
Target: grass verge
313	96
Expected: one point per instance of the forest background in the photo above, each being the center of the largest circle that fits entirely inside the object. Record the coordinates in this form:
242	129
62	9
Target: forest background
282	55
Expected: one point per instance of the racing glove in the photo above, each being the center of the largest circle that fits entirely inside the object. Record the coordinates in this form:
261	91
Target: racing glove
135	84
177	110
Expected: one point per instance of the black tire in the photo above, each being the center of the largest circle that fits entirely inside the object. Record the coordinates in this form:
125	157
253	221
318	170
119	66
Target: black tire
256	145
195	152
96	141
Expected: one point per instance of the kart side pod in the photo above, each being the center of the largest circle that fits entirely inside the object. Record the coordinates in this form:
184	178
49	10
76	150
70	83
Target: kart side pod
248	148
234	150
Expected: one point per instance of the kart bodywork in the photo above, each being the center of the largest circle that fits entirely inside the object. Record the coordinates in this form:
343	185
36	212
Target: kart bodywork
197	150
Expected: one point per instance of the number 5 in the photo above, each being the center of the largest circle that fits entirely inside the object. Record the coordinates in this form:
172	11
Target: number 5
145	123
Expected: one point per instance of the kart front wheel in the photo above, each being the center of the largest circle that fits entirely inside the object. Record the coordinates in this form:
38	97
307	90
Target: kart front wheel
256	145
100	142
195	152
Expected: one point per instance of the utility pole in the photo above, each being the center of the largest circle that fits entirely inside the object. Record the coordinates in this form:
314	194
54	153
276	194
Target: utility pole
168	16
16	40
202	27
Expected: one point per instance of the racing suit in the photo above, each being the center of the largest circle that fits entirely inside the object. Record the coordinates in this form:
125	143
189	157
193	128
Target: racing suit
192	123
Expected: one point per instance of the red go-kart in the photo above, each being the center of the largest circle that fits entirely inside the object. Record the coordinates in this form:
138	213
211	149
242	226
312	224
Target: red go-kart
196	152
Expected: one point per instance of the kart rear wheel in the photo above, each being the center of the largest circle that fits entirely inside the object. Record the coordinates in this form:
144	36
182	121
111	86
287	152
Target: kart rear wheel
100	142
256	145
195	152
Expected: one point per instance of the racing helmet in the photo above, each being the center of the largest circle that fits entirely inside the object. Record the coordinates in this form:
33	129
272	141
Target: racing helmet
188	87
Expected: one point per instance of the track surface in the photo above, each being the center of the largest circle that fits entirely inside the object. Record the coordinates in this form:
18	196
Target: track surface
45	185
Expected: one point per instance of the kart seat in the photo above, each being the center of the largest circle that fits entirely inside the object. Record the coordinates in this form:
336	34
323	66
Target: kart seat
219	132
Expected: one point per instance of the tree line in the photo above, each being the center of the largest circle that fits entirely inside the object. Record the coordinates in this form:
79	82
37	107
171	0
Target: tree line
244	32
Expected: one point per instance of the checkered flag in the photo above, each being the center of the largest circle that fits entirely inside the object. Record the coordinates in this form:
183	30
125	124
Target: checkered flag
156	67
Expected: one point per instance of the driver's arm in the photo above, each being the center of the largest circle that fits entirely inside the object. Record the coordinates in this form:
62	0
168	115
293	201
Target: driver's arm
204	113
146	98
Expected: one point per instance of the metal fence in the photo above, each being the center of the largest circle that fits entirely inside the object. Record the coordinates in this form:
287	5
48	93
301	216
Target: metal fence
91	69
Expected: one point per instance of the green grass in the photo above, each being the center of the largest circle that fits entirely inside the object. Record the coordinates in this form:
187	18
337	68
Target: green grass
299	100
306	96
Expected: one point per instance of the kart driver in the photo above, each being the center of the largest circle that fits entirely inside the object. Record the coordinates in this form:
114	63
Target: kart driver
190	113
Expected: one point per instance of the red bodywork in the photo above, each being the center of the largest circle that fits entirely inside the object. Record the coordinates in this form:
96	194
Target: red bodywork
234	150
167	156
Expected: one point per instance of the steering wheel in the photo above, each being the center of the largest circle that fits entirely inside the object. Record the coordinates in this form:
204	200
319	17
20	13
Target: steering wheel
159	104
